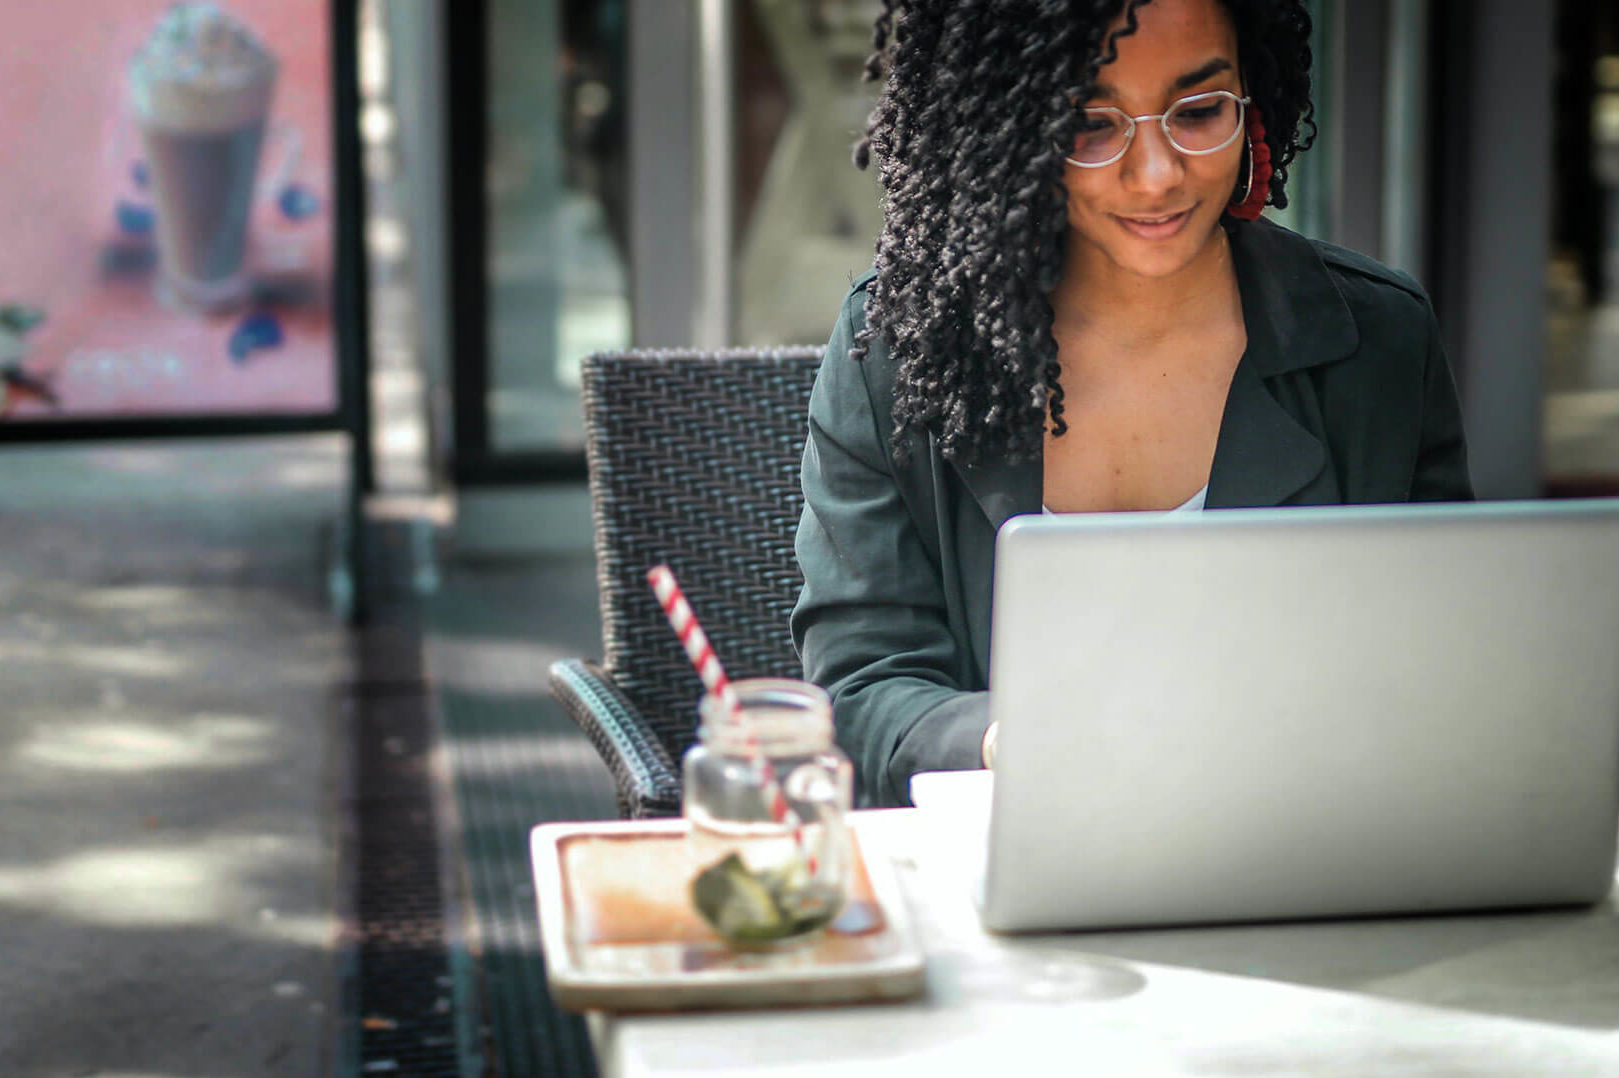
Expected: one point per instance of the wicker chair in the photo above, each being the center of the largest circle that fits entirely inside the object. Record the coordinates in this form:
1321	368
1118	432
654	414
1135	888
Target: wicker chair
694	460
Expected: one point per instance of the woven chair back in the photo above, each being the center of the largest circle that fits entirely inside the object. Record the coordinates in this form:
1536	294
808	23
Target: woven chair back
694	461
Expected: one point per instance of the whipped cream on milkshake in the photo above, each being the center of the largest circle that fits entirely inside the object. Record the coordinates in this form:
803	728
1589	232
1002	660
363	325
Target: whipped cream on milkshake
201	89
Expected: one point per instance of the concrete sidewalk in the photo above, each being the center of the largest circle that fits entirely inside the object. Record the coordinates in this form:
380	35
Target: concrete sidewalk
169	743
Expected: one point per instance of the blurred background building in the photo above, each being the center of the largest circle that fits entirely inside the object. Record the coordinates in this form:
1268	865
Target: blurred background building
662	172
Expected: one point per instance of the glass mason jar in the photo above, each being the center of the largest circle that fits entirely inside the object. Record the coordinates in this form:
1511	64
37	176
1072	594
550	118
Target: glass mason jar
765	879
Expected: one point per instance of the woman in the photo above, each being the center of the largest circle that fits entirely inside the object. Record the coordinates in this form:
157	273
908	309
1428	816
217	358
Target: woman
1074	305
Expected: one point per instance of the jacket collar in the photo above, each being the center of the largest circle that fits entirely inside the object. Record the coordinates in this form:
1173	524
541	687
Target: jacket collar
1295	314
1296	318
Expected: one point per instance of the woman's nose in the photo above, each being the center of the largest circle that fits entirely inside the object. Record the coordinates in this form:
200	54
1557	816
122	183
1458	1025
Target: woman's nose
1151	164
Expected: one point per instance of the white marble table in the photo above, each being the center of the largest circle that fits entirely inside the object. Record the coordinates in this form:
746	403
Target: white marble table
1518	994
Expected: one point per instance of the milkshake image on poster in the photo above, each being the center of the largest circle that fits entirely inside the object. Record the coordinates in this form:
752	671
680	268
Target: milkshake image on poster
201	89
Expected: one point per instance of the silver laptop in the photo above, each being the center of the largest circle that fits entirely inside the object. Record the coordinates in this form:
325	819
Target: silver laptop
1263	714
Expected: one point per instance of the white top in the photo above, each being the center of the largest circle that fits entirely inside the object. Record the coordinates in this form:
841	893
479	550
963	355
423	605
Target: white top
1194	504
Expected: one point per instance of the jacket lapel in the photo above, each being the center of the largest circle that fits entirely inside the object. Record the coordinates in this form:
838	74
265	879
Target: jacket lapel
1295	318
1263	456
1003	489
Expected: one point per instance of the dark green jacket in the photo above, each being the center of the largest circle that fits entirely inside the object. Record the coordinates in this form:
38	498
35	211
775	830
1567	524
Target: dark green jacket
1343	396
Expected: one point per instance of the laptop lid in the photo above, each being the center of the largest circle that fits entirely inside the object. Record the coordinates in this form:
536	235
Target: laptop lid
1258	714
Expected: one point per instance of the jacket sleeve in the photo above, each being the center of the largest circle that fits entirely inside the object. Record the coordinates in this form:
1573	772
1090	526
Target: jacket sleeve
870	623
1441	472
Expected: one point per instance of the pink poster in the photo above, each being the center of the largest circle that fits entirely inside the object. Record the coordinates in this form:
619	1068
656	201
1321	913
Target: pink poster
167	194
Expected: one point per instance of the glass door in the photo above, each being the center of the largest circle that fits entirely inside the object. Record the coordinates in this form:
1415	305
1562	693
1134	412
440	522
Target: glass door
538	185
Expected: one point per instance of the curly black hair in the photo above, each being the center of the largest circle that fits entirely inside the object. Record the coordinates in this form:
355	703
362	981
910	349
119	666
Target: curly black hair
970	135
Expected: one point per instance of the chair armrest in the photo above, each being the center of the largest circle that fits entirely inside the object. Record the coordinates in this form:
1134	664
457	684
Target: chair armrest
648	781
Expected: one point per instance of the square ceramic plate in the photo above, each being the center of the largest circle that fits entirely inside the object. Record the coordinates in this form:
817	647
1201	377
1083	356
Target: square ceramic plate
620	933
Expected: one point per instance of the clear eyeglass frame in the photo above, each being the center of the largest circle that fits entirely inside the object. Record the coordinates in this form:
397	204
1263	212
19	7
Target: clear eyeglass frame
1163	123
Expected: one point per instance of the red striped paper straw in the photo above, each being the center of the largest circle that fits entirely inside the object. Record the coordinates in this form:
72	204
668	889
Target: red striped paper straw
702	656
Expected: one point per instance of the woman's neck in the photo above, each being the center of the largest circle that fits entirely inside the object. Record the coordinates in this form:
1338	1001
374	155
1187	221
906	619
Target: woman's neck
1099	299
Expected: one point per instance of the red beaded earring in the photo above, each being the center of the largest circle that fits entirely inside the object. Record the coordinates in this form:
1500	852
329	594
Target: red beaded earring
1259	172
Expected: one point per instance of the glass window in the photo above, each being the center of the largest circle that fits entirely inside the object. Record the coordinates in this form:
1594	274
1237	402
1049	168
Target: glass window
1582	355
807	220
558	287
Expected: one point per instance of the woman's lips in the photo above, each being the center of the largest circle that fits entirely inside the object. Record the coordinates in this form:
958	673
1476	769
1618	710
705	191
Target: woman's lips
1156	228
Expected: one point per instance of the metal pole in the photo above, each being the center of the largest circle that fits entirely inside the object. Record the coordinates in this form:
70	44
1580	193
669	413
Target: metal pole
348	578
1508	242
663	172
1405	138
1357	120
715	86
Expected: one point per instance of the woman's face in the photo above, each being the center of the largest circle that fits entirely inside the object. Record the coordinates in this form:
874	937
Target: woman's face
1155	209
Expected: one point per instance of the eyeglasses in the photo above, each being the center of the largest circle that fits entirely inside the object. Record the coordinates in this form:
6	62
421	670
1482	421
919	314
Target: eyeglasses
1197	125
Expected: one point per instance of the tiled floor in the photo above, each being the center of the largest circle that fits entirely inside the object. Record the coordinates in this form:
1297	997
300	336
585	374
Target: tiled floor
169	667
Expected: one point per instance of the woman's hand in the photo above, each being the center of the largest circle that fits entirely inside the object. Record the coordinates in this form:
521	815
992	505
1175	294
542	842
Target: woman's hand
990	736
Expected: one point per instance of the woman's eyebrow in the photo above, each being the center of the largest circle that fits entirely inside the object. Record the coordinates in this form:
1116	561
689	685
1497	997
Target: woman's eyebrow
1191	78
1204	73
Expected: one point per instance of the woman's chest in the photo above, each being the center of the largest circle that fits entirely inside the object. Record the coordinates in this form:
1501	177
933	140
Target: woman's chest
1143	438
